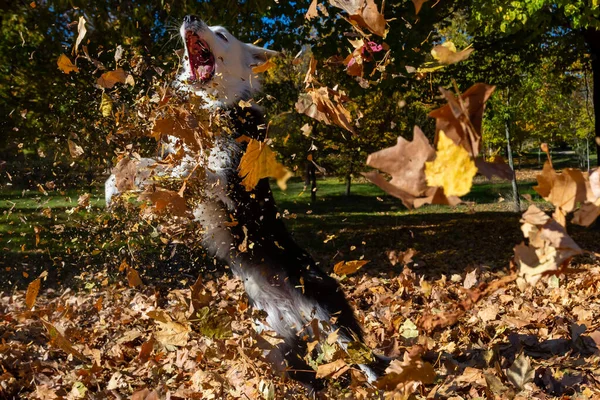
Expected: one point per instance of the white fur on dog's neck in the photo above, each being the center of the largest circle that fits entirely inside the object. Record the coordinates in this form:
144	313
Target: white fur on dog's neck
233	79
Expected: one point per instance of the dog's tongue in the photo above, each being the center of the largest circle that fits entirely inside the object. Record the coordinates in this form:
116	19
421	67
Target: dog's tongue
200	58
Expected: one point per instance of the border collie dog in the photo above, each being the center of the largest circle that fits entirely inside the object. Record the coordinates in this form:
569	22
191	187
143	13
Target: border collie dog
279	277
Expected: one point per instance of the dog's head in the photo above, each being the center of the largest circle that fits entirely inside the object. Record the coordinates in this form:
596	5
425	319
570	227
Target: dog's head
216	65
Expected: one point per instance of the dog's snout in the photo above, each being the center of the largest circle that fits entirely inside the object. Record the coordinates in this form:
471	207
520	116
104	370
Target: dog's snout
190	18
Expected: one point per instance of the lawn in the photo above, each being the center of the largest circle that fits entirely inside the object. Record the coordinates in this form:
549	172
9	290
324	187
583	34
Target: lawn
48	232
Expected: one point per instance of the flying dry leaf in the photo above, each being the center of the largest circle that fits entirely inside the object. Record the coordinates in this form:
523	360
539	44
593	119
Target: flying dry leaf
109	79
259	162
550	247
133	278
65	64
364	13
84	200
452	168
32	291
461	119
348	267
564	190
418	4
81	31
312	10
325	105
182	125
587	213
60	341
125	172
496	166
263	67
363	52
106	105
332	370
447	54
405	162
74	149
166	202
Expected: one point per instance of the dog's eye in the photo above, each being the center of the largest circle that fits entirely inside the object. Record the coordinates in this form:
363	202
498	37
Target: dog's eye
222	36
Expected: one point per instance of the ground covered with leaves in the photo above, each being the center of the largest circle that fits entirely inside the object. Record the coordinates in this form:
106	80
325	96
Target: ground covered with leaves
454	317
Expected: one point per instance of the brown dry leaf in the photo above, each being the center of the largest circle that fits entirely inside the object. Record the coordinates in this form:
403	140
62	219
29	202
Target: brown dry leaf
418	4
587	214
550	247
65	64
430	322
60	341
310	73
145	394
333	369
84	200
133	278
166	202
364	13
594	180
325	105
182	125
447	54
405	162
564	190
173	333
75	150
32	291
400	374
146	349
312	10
348	267
371	18
403	257
125	172
259	162
461	120
263	67
81	31
497	166
109	79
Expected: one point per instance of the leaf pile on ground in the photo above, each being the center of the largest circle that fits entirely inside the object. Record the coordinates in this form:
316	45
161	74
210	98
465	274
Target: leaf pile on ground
474	335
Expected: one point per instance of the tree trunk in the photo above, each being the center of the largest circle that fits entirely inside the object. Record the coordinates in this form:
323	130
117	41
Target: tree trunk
515	188
310	180
592	38
348	183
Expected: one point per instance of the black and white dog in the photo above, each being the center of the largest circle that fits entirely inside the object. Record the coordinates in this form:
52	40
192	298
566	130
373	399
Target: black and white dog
279	277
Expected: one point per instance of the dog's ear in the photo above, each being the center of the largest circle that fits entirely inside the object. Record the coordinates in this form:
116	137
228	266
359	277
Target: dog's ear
260	54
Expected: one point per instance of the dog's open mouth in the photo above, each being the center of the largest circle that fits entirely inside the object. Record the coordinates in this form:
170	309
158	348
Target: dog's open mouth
201	59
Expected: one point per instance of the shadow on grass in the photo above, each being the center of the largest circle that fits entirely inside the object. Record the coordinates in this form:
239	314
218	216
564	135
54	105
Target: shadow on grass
75	248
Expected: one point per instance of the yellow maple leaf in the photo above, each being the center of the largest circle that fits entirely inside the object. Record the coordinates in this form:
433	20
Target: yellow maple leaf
259	162
453	169
65	64
263	67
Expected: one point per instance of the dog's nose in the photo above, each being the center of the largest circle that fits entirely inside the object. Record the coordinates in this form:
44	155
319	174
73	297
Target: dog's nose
190	18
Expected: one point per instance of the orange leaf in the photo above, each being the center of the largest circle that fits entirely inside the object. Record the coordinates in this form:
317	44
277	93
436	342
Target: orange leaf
133	278
111	78
348	267
263	67
32	291
259	162
65	64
